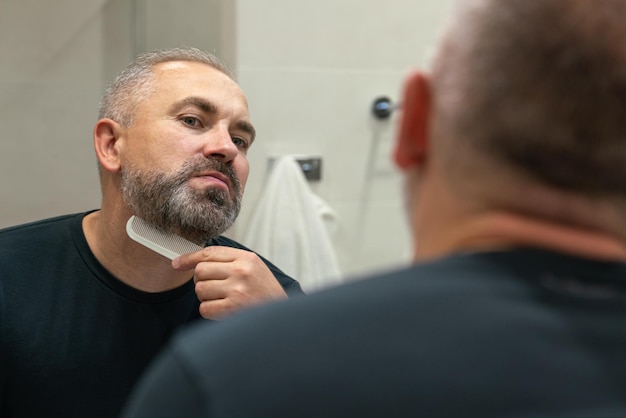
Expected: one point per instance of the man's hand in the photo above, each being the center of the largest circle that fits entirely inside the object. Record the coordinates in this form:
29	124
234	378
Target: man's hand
228	279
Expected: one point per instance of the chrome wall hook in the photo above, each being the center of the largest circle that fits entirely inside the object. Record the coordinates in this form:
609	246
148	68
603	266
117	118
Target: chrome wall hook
382	107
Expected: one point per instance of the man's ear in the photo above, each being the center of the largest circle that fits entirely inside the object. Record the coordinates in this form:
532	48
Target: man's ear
107	144
412	138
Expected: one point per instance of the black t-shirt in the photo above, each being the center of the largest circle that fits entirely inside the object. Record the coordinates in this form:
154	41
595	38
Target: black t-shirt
516	334
74	337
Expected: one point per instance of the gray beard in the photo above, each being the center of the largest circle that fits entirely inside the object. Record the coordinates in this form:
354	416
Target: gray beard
170	204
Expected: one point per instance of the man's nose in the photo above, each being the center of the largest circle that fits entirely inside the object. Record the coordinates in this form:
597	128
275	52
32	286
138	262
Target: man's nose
219	144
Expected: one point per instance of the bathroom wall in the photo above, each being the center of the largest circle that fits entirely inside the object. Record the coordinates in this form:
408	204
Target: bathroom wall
55	58
311	71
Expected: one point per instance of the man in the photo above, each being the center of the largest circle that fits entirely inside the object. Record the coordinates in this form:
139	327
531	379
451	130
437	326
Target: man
85	308
513	148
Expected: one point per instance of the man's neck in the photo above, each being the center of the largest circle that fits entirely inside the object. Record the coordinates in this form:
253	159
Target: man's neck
501	231
130	262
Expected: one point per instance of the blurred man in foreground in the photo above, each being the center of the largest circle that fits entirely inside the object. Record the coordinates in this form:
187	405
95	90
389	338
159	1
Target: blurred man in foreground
513	149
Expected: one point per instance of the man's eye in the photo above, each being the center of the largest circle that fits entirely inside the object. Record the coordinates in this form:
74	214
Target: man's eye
240	143
191	121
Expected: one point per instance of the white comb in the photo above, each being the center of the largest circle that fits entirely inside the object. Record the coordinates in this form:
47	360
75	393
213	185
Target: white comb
166	244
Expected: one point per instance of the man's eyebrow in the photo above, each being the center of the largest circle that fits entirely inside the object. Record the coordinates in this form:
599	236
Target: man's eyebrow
209	107
202	104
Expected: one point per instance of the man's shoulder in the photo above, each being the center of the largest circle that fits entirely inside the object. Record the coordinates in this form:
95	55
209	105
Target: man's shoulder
415	326
37	225
42	233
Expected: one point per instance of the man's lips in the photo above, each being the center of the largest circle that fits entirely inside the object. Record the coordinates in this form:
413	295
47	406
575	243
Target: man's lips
213	177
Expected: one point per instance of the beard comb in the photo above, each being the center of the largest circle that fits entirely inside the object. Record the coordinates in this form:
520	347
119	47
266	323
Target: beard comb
167	244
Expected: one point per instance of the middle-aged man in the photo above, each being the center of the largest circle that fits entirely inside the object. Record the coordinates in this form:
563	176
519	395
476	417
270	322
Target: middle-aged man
83	308
513	149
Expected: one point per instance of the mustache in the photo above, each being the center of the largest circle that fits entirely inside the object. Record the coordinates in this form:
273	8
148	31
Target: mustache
193	167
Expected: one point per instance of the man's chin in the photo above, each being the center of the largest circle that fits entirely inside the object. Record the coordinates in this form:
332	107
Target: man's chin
197	238
200	236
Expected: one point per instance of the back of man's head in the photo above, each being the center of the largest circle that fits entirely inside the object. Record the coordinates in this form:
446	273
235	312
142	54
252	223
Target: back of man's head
539	86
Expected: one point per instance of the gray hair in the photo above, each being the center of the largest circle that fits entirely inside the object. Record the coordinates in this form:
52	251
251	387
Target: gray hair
538	85
134	83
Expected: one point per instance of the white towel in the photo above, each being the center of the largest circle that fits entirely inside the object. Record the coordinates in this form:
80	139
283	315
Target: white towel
290	226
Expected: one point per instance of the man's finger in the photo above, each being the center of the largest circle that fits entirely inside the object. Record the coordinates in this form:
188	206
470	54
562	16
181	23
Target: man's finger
208	290
216	309
212	253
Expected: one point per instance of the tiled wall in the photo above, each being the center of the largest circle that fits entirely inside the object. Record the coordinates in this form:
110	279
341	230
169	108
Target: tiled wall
56	57
311	71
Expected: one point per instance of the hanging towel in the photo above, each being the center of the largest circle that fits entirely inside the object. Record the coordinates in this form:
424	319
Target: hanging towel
291	227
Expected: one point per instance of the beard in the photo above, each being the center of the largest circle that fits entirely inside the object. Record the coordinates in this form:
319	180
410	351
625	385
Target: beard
168	202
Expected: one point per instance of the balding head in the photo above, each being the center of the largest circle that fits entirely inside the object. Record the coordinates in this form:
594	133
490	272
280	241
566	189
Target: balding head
134	83
539	86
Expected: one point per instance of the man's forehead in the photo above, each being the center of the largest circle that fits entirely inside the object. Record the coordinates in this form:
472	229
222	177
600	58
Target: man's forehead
181	65
170	65
181	73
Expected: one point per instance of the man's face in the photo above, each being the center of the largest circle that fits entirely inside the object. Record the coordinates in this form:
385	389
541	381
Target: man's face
184	164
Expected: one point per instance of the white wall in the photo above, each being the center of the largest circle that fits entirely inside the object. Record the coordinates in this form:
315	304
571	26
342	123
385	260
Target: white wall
311	71
55	59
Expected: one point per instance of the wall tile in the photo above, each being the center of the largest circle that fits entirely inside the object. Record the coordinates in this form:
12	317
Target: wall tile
357	34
